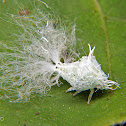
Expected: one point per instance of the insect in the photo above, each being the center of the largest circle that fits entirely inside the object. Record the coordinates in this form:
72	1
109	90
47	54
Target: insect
46	54
85	74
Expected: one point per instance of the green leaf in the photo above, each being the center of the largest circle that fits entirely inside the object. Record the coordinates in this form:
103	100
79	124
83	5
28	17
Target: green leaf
102	23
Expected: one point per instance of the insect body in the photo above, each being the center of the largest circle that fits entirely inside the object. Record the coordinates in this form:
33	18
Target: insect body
85	74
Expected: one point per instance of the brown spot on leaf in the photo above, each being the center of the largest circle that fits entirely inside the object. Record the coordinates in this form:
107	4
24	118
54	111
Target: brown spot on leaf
37	113
24	12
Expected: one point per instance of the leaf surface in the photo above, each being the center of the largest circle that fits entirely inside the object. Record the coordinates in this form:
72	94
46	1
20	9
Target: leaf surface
102	23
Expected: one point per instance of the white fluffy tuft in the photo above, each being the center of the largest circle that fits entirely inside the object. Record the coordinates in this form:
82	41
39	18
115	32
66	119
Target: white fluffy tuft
29	69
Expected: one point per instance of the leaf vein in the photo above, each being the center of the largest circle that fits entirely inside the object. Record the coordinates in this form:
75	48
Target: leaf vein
99	9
